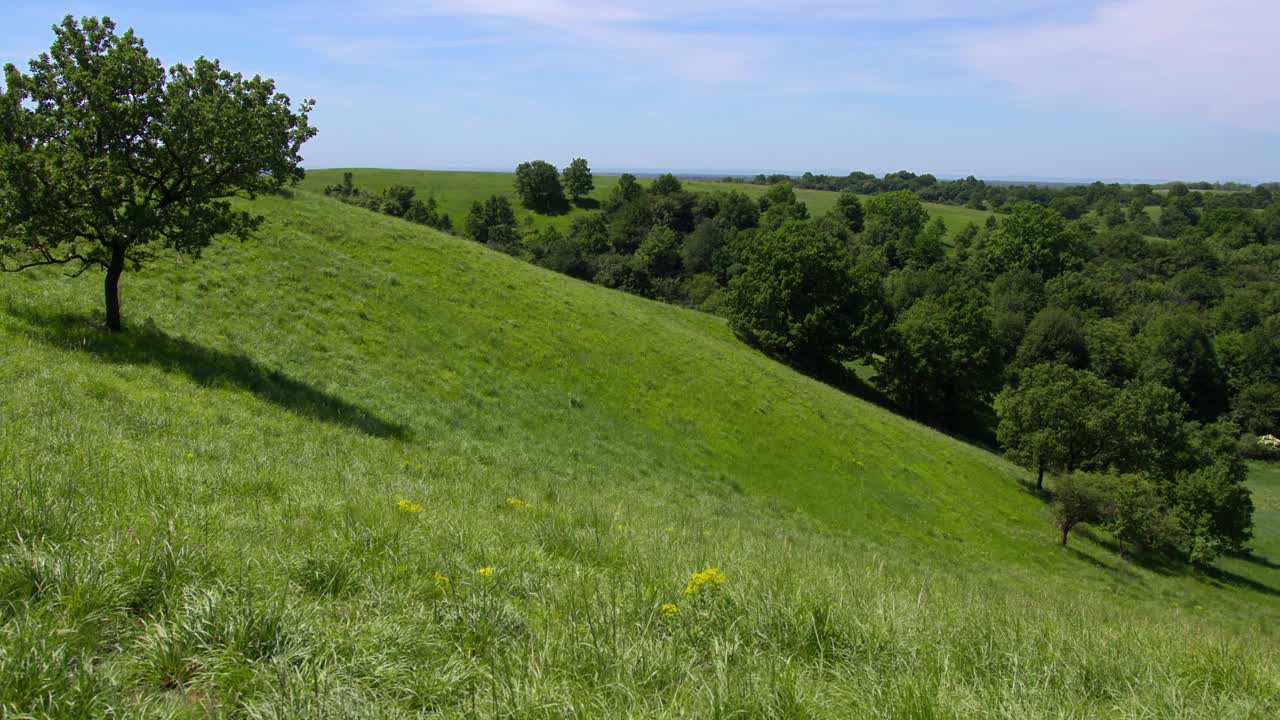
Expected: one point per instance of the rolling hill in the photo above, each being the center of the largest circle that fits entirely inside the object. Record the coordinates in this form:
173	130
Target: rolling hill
455	191
360	468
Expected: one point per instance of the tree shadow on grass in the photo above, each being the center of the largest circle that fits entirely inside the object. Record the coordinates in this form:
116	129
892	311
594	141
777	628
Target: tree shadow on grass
1256	559
1118	570
847	381
1168	565
560	206
148	345
586	203
1226	577
1041	493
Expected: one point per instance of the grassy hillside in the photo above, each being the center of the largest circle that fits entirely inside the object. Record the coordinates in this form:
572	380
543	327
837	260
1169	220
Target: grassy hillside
358	468
455	191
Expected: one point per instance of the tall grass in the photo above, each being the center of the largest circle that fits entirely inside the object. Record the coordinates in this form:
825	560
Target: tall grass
204	518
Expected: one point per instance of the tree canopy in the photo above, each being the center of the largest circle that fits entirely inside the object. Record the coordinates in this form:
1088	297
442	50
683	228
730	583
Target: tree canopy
1032	237
578	180
1052	420
538	186
108	160
940	360
800	298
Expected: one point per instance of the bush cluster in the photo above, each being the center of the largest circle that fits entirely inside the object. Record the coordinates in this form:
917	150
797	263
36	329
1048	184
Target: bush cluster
397	201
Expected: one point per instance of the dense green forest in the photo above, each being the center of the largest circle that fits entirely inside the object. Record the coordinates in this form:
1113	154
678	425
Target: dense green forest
1143	368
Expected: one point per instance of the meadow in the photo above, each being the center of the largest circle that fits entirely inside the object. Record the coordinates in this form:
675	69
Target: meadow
359	468
455	191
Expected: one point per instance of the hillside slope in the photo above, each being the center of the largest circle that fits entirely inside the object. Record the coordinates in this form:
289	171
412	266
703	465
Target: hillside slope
203	516
455	191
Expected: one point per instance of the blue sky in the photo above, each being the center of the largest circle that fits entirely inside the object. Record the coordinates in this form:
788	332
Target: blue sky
1048	88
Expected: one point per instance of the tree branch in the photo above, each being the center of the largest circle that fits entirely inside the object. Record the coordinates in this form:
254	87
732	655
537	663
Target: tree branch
49	259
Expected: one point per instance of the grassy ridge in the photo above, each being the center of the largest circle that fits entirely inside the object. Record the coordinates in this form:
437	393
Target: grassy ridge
201	515
455	191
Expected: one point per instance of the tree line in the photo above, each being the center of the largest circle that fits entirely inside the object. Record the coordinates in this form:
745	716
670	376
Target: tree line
1132	369
1178	205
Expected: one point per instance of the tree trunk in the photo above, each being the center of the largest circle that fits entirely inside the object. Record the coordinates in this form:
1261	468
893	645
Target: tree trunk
114	270
1040	479
1065	532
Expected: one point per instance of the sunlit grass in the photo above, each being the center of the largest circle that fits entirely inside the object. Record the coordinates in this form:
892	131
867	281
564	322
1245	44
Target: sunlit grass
359	469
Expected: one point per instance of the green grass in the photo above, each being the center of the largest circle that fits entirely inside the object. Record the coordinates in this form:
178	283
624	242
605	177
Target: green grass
455	191
820	202
1263	567
200	516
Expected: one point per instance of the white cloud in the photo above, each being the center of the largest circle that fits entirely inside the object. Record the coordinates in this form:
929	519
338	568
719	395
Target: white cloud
1215	59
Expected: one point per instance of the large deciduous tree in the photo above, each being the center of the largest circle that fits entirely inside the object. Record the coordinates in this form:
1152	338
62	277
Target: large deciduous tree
1177	351
1032	237
578	179
538	185
849	210
1054	336
801	298
1054	420
942	360
108	160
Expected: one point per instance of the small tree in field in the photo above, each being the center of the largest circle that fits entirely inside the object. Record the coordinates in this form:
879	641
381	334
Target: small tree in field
1080	499
538	185
107	159
578	180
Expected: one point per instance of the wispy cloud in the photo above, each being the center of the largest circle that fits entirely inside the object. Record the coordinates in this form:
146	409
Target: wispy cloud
349	51
352	50
610	27
948	79
1214	59
730	11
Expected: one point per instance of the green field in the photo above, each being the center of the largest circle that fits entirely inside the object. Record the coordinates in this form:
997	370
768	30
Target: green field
455	191
201	515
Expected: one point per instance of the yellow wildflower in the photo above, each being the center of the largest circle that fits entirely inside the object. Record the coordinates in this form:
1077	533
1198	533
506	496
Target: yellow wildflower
671	610
409	507
441	581
518	504
711	577
486	571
